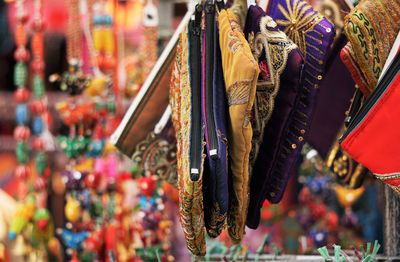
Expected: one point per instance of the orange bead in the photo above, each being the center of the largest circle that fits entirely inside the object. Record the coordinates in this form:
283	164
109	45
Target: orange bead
37	45
20	35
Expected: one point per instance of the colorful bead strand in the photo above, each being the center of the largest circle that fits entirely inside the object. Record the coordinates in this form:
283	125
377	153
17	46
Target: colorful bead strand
21	95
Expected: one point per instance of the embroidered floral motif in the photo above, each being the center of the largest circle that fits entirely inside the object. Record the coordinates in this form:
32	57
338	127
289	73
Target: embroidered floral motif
157	156
276	46
300	18
234	42
238	92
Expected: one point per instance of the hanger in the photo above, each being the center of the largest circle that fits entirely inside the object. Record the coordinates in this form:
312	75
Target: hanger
251	2
150	14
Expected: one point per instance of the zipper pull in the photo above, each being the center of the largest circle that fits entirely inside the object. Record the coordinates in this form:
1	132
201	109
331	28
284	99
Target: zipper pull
210	6
220	5
194	174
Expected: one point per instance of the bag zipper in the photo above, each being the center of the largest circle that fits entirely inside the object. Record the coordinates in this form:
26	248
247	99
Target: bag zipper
195	85
355	106
211	132
373	98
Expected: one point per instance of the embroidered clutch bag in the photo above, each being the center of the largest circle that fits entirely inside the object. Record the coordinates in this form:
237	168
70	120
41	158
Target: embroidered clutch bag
150	103
280	63
313	34
372	136
240	72
157	153
189	180
371	28
215	118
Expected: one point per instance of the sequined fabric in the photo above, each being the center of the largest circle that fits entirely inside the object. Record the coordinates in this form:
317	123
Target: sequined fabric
313	34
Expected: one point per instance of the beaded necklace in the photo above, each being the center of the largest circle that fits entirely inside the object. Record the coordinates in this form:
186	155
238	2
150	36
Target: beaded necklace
39	103
22	95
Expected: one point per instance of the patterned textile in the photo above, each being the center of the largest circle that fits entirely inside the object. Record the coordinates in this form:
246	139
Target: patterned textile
371	28
271	48
215	117
157	154
337	87
190	192
314	35
278	86
372	135
240	74
348	171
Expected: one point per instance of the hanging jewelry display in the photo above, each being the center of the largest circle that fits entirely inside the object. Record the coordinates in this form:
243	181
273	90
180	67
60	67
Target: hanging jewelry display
43	228
22	95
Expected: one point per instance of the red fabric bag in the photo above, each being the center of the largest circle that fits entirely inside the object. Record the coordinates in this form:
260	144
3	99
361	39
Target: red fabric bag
373	136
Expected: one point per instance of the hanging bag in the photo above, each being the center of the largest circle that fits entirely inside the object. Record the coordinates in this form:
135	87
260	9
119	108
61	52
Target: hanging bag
372	136
280	63
215	117
240	72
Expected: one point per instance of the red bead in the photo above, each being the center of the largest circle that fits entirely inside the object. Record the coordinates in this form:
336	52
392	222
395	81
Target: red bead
109	63
21	95
42	224
38	107
22	172
98	132
100	61
318	210
40	184
38	25
47	172
22	19
21	54
147	185
38	144
22	133
37	65
92	180
332	220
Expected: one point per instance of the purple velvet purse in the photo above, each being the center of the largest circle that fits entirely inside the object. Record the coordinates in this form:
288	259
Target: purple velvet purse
215	113
278	93
337	88
314	35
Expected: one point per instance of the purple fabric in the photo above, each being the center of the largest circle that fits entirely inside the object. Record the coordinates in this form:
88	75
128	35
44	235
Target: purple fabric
275	159
334	99
318	34
215	176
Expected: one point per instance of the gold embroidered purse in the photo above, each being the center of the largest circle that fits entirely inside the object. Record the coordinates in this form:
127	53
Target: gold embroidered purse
190	192
240	75
371	28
